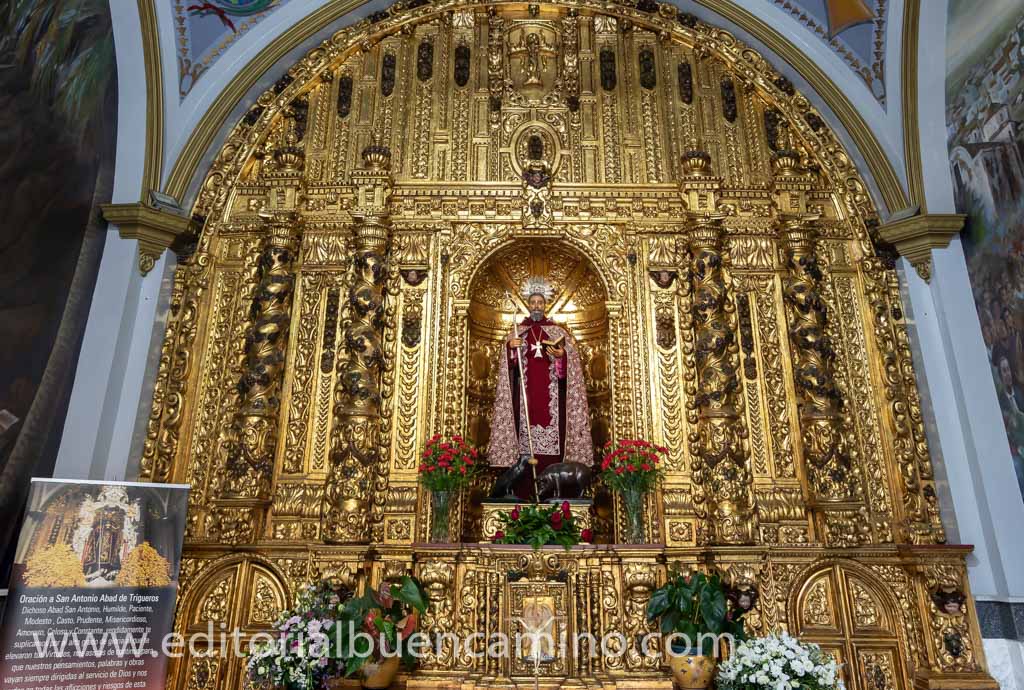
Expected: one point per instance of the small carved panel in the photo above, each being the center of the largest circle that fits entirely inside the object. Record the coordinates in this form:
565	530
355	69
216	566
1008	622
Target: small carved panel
685	75
387	74
462	64
425	60
818	606
344	95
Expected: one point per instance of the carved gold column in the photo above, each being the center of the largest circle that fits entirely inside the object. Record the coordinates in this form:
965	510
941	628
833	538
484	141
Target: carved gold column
250	443
722	481
831	472
355	439
832	475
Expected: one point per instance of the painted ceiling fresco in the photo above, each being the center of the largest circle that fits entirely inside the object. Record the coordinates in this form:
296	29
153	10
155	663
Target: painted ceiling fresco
854	29
204	30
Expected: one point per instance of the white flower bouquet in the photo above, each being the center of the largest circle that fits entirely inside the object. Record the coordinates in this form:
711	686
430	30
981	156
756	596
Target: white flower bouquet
302	652
778	663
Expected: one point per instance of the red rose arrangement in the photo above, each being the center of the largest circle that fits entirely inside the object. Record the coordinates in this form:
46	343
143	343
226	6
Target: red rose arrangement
540	525
632	468
448	465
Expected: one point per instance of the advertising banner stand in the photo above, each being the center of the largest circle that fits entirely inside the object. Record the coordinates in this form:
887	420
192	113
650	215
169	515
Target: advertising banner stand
94	584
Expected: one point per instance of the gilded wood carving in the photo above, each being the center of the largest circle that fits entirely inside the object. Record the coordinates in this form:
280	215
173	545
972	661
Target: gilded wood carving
714	246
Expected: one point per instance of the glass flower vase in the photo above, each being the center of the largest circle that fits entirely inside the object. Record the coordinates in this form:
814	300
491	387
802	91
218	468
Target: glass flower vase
633	504
440	506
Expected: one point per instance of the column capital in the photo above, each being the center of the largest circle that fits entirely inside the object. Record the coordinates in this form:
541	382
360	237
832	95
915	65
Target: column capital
915	237
155	229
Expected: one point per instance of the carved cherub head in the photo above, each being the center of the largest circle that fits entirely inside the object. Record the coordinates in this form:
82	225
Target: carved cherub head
949	599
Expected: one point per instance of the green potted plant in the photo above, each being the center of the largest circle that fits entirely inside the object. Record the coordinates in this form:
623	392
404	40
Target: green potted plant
538	526
693	611
388	615
445	468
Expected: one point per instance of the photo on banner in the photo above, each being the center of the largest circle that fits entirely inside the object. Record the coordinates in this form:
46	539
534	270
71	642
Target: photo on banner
94	586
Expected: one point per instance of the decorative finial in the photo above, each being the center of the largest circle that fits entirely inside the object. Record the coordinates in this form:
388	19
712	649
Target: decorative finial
289	157
696	162
377	156
786	160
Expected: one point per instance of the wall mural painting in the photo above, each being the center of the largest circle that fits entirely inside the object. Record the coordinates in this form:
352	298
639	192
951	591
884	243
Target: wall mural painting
984	115
58	106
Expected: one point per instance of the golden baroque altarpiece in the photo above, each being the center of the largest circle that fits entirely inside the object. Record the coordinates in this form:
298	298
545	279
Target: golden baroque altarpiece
711	244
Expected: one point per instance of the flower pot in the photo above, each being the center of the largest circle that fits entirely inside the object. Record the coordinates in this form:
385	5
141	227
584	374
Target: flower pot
380	674
633	503
690	669
440	505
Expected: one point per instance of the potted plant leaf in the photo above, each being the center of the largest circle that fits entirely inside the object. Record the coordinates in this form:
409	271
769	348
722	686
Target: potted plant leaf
693	612
389	616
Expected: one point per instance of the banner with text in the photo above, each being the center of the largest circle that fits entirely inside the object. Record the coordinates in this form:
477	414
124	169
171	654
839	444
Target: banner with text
91	600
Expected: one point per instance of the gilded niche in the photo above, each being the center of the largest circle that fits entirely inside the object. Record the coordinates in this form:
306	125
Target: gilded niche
710	245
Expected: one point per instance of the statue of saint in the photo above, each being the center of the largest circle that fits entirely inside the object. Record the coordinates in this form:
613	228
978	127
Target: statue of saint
540	380
534	51
102	554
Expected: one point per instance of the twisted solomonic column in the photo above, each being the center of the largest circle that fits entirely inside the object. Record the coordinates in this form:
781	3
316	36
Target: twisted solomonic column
723	484
355	438
827	456
250	442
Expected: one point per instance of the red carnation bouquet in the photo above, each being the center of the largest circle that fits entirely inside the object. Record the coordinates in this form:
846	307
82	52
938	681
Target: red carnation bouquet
632	468
446	467
540	525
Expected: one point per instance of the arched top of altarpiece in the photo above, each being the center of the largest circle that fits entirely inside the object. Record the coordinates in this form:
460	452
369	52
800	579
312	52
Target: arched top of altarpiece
747	70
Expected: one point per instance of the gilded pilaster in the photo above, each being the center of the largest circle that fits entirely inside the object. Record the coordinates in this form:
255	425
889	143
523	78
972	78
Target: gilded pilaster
356	436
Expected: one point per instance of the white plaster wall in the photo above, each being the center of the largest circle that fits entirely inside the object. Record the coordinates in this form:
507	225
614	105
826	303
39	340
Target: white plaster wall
111	366
1005	663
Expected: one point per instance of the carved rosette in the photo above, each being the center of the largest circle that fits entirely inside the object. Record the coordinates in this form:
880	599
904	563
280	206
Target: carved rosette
721	472
828	457
250	443
355	446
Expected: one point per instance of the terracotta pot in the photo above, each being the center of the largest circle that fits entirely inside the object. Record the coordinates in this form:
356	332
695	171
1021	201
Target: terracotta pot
380	675
692	671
